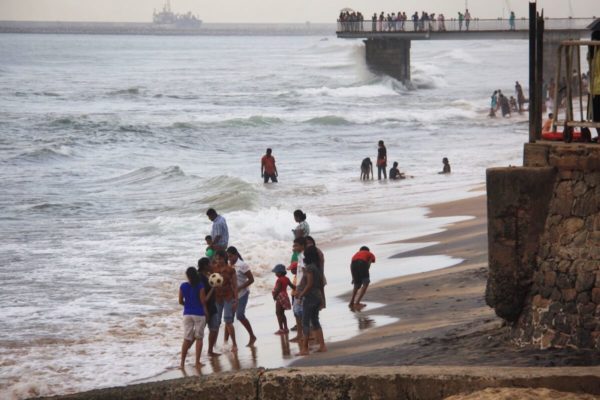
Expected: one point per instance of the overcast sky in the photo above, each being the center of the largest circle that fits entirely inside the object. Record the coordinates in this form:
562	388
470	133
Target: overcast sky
274	10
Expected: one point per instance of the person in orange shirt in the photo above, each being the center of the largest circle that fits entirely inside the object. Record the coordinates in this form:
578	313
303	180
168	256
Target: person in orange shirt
361	262
268	170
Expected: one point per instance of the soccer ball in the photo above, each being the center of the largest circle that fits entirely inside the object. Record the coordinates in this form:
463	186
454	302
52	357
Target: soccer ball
215	280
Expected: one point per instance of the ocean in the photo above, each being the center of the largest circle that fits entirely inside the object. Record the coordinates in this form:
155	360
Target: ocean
113	147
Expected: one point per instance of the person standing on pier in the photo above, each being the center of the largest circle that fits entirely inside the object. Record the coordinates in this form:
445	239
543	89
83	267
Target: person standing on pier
415	19
461	17
511	20
381	160
467	18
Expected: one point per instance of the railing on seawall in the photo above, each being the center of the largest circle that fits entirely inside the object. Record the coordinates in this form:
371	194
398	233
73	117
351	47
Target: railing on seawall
454	25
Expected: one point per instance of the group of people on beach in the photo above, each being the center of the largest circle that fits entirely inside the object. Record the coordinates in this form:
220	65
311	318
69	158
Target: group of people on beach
217	290
366	166
506	105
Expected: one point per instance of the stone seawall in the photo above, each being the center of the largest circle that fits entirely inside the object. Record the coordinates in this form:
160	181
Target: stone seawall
544	233
342	382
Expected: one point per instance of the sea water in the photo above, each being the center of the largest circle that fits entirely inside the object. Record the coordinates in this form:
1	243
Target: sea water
112	148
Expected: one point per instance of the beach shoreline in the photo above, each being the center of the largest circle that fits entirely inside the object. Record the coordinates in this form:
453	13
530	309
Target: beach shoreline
442	315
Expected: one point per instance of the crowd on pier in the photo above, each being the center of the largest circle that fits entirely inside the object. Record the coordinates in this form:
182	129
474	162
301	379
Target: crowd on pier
354	21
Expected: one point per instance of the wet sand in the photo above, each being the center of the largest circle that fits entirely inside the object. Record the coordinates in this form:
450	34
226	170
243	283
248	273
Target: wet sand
442	315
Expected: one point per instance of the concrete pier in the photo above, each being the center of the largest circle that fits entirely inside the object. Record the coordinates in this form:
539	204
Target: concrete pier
389	56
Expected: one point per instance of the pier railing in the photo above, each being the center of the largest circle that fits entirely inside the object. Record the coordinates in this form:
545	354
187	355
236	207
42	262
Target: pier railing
454	25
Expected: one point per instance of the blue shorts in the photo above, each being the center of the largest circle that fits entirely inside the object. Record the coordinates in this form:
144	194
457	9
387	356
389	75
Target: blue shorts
225	311
297	308
240	312
214	322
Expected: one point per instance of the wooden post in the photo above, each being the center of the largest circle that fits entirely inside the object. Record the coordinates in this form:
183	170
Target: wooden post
532	64
539	78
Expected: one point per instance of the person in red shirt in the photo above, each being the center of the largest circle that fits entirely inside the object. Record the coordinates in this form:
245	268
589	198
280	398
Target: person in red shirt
268	170
359	267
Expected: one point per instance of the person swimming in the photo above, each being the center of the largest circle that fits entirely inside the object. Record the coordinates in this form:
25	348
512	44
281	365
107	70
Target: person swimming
446	169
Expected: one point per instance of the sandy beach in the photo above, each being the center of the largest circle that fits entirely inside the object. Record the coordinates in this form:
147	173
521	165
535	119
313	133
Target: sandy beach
442	315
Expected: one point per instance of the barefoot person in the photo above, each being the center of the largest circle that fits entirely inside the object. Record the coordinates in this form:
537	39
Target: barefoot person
361	262
193	299
244	280
298	248
226	294
311	295
303	229
381	160
212	318
280	295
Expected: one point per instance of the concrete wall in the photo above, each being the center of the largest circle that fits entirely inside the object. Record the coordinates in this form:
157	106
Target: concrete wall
389	56
343	382
544	232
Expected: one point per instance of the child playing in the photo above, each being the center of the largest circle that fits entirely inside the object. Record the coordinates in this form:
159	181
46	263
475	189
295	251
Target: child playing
193	299
282	300
361	262
210	251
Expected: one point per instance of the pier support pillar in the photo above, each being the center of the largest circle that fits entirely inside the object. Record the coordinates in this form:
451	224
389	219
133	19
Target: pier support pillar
389	56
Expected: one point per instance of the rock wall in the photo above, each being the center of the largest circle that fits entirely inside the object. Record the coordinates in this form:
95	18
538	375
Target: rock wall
343	382
548	281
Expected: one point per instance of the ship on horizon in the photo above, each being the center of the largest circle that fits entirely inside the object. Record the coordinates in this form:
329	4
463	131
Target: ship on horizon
167	18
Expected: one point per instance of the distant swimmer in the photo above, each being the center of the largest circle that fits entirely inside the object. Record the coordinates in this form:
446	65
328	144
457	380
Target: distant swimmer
268	170
395	172
446	169
366	168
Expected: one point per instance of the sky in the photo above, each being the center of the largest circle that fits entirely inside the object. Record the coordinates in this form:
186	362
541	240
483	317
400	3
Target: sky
273	11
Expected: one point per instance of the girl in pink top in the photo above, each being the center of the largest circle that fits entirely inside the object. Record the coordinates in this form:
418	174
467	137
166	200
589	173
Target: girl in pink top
282	300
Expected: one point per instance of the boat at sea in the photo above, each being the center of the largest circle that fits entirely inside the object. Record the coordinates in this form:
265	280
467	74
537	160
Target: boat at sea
167	18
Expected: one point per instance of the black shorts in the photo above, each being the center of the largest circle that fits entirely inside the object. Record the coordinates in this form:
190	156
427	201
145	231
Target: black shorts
360	273
596	108
273	177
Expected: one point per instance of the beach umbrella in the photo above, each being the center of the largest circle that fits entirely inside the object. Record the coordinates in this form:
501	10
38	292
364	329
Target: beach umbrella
594	26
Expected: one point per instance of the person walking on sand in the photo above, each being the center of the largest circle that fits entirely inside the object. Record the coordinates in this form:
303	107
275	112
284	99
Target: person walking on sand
311	296
359	267
282	300
302	229
212	317
219	232
226	294
193	299
268	170
381	160
244	280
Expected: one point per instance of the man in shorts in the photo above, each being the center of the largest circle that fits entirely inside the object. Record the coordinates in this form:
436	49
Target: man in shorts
268	170
359	267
